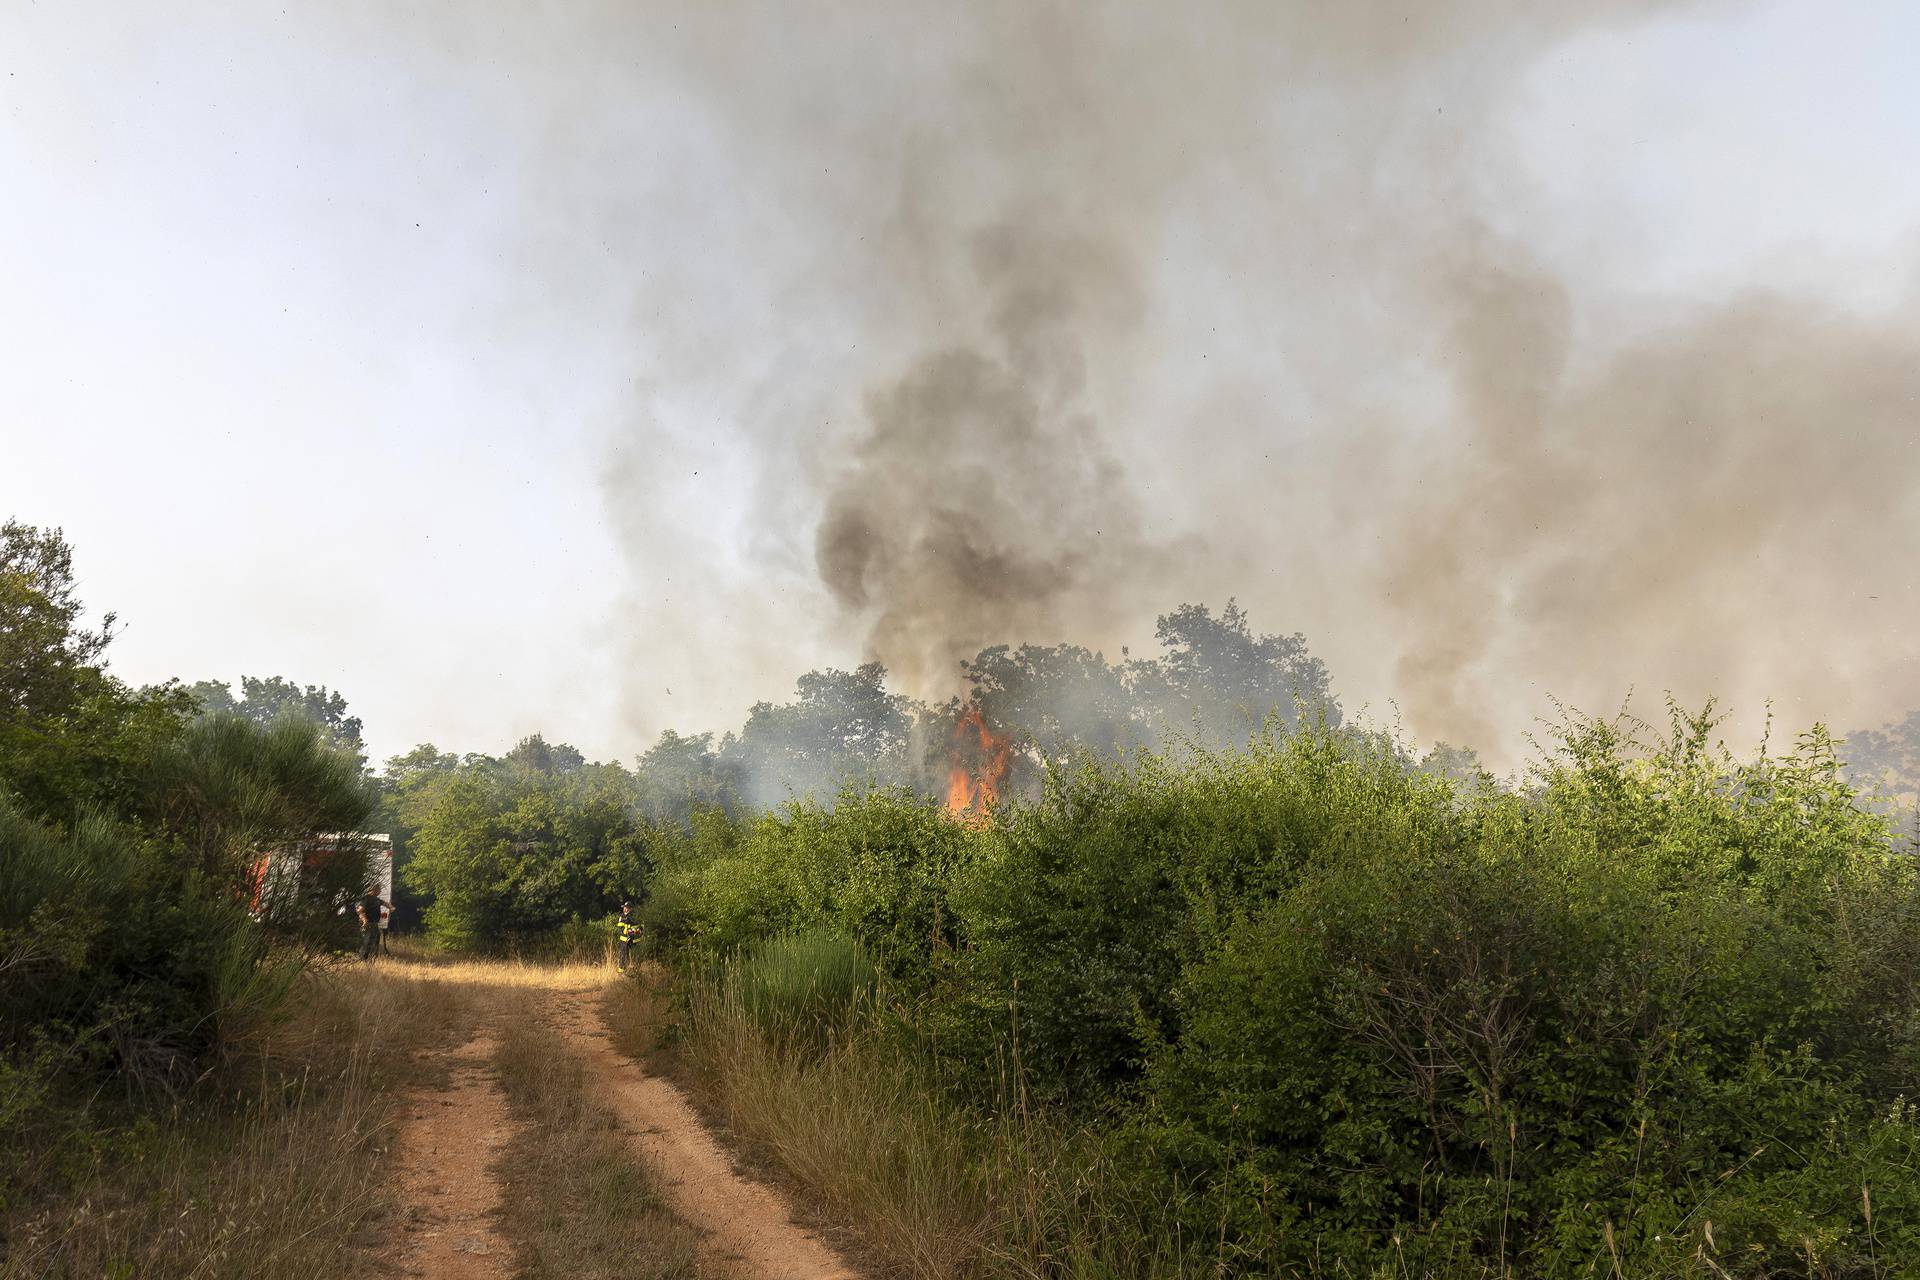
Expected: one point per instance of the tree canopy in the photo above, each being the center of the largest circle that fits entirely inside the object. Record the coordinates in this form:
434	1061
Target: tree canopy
265	699
72	735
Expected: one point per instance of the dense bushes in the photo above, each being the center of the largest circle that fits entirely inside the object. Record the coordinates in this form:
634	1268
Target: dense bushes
1540	1038
498	852
129	963
112	955
877	867
513	850
227	787
122	960
1658	1008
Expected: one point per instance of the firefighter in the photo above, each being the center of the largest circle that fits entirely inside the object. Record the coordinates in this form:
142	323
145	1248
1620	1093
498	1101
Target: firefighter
626	930
368	909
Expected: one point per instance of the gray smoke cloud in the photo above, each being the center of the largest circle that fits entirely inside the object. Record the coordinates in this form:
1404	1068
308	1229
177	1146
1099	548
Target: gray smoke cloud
1726	504
991	491
985	503
1030	320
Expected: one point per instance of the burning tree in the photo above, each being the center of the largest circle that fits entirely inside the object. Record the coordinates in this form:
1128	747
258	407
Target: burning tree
976	767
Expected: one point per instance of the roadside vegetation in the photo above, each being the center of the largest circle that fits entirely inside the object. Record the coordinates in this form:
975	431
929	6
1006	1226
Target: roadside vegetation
193	1079
533	851
161	1051
1305	1009
273	1166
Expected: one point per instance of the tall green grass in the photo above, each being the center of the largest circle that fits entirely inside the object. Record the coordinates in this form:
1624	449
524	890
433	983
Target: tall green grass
933	1186
799	987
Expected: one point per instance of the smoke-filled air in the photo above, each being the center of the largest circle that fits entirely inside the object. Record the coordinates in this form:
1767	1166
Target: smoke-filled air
988	640
1257	301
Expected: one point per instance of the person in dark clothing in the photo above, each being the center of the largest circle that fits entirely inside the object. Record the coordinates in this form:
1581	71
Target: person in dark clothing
368	910
626	931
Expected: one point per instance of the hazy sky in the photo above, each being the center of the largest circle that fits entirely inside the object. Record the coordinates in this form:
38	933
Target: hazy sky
502	370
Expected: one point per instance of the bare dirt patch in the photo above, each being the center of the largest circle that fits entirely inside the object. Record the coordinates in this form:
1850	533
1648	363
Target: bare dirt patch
447	1146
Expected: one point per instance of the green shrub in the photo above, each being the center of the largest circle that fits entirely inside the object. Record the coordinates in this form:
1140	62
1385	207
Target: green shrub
875	866
127	956
227	788
129	966
1530	1045
130	962
1093	903
669	913
1330	1013
510	852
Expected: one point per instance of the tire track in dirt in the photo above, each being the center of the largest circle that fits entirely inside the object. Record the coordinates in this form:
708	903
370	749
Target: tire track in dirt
748	1227
448	1141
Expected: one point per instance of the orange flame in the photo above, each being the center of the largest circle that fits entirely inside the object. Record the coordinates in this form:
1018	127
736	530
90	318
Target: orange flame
977	766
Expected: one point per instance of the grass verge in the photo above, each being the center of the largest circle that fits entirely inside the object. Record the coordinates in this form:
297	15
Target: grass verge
928	1188
270	1170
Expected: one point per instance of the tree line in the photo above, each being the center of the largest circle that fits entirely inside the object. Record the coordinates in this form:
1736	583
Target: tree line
499	851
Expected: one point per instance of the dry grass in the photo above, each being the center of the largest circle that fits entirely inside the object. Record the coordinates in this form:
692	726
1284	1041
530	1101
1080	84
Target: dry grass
582	1205
278	1170
930	1189
273	1170
864	1143
418	962
502	973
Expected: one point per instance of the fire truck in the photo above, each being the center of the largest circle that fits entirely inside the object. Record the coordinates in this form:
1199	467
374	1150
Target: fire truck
285	881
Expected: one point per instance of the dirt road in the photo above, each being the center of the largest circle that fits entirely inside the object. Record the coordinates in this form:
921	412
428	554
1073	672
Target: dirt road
749	1226
450	1139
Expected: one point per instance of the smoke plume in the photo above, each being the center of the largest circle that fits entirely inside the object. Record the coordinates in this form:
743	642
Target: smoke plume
991	491
952	325
1723	505
984	503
